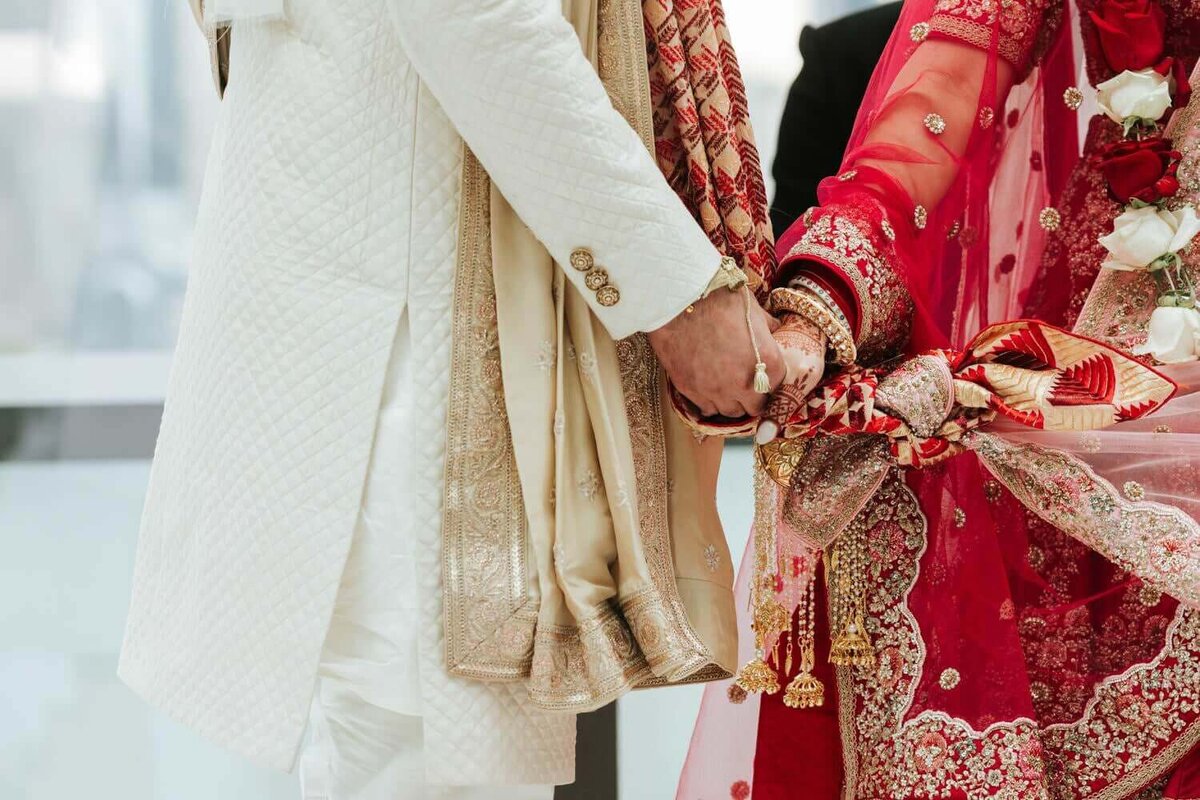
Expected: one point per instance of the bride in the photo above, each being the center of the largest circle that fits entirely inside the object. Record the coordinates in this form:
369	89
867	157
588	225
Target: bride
963	584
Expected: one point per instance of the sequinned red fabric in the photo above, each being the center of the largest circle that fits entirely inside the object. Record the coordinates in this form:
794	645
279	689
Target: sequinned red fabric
1010	660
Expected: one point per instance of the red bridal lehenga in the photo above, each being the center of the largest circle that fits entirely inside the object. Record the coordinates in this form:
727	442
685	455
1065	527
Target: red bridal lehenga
976	575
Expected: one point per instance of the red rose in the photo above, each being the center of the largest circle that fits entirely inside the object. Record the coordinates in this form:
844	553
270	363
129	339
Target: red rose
1181	88
1131	33
1142	170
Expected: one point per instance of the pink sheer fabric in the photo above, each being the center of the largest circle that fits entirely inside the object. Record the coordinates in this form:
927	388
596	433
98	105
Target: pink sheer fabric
1023	601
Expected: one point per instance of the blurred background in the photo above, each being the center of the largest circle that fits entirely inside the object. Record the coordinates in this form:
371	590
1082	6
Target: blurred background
105	112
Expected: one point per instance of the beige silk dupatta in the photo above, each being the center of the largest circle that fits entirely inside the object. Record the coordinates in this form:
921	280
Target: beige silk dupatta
582	547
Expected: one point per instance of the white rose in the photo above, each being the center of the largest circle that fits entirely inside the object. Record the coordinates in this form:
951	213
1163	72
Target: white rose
1144	94
1174	335
1142	235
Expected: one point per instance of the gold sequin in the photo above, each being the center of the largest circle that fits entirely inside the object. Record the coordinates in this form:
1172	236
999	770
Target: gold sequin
582	259
920	217
960	518
954	230
1073	98
889	232
1134	491
595	279
608	296
987	117
1036	557
1162	428
736	694
1149	596
949	678
848	175
1049	218
935	124
1090	442
919	32
991	490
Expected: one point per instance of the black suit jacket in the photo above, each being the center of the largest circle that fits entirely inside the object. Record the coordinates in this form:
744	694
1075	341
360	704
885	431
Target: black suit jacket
822	104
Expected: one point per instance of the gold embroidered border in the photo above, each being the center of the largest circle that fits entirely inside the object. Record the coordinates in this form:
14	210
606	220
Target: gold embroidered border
1097	731
845	244
621	62
887	755
848	265
681	652
585	667
489	616
846	715
978	36
1158	543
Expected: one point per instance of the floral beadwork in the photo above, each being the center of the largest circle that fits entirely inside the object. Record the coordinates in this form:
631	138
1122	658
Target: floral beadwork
1019	23
949	678
1049	219
712	559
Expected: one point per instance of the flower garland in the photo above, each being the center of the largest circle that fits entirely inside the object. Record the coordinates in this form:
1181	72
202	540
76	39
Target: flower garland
1154	227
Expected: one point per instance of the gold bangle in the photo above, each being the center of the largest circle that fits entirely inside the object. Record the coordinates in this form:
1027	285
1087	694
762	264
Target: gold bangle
812	287
833	324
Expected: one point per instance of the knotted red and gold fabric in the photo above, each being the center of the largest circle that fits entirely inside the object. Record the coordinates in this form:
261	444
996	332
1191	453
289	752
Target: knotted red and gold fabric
1027	371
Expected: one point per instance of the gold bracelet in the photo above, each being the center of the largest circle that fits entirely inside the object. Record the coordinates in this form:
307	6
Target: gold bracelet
729	276
833	324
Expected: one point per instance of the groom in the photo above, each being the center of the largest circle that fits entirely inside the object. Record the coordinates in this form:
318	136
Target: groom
293	531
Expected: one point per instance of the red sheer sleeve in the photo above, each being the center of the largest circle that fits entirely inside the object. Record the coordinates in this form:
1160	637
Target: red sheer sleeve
876	241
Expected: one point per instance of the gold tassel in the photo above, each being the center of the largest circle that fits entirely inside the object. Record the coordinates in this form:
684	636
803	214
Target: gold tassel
757	676
852	648
762	382
805	691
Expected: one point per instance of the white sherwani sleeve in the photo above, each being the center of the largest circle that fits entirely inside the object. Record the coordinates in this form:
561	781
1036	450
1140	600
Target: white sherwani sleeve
513	78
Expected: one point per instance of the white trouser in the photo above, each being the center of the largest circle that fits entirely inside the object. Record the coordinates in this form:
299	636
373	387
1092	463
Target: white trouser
358	751
365	730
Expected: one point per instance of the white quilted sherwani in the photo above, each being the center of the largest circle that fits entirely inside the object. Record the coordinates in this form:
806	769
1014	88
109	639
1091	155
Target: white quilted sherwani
330	210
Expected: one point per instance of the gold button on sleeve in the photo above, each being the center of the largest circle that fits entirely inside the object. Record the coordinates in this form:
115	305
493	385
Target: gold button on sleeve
595	279
581	259
608	296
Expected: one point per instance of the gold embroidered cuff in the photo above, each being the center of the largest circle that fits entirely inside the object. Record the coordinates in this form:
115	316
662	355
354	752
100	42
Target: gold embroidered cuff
829	318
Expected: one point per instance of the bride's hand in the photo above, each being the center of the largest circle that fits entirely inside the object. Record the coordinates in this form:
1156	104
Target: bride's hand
803	346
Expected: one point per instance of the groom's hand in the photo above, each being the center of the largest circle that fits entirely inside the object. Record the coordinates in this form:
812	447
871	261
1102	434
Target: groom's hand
709	357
